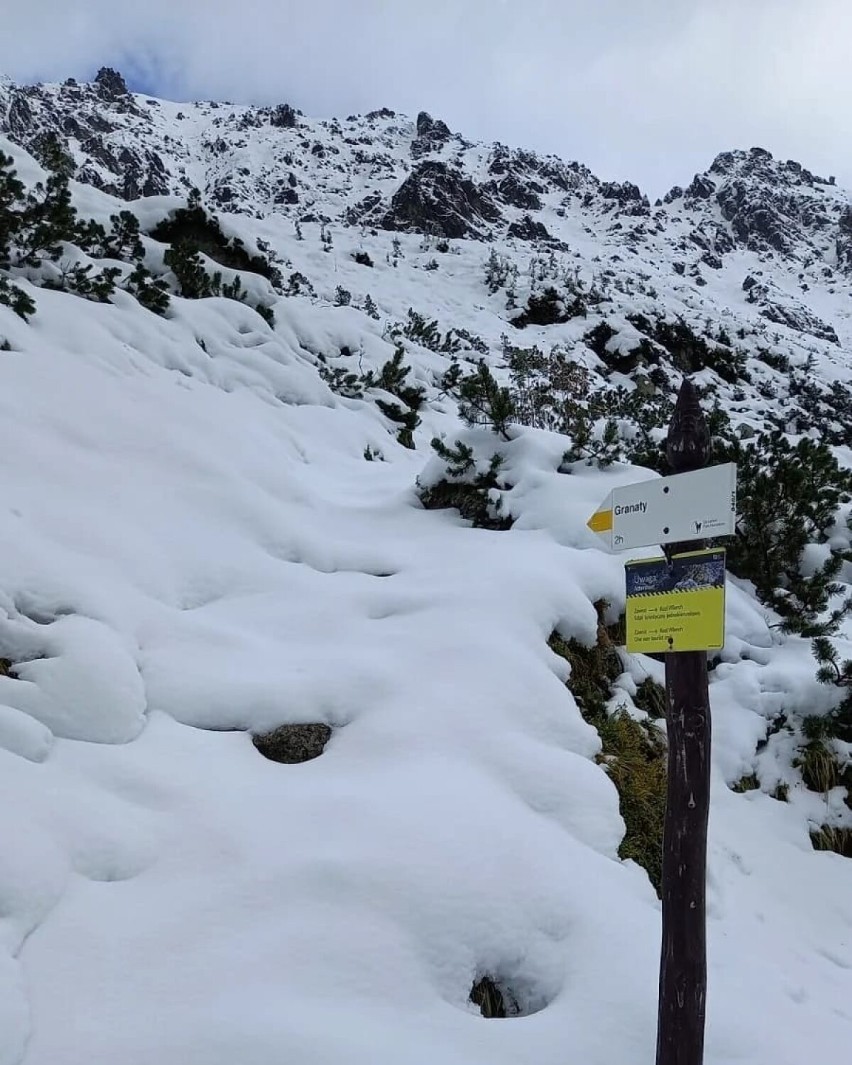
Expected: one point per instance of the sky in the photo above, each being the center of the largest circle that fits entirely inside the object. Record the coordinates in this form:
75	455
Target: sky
643	90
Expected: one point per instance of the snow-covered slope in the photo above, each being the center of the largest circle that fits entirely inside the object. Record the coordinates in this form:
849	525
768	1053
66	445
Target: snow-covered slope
195	549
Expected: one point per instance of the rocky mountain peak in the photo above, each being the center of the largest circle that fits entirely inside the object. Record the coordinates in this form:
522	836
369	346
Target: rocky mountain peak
767	204
432	135
110	83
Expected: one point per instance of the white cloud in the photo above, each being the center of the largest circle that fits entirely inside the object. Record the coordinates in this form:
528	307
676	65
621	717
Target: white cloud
647	91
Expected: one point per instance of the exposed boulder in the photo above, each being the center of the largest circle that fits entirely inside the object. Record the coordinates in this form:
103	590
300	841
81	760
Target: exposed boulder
291	744
144	175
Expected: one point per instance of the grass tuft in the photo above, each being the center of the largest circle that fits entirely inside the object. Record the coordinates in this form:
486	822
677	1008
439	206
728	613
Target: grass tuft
633	752
831	838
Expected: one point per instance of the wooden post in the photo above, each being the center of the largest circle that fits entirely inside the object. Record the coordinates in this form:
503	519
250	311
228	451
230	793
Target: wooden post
683	959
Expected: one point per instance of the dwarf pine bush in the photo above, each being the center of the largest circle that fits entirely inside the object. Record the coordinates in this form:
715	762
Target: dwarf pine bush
787	498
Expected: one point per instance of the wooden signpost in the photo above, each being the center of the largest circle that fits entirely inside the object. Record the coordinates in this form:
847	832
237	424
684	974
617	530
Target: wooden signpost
668	511
683	958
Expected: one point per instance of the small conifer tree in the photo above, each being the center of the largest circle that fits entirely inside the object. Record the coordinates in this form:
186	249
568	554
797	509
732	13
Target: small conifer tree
124	241
188	267
482	401
152	293
16	299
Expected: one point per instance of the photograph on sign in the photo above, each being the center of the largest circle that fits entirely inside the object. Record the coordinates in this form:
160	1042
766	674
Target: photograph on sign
665	510
677	605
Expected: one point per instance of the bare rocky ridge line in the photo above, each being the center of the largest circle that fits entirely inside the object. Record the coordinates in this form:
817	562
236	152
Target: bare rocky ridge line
385	171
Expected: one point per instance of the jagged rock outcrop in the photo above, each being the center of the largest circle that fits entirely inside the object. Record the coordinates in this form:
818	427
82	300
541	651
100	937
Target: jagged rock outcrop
437	198
769	204
700	188
382	170
111	85
432	135
627	196
528	229
515	192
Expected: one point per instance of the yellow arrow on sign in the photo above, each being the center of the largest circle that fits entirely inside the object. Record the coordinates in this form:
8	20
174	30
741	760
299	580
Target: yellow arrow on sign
601	521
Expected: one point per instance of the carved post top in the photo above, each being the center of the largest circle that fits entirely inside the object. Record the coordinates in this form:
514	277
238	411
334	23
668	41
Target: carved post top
688	442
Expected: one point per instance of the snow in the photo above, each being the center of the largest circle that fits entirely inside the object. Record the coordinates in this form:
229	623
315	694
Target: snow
192	548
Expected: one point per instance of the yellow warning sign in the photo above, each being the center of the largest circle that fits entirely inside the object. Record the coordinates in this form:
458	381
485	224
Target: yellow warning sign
677	605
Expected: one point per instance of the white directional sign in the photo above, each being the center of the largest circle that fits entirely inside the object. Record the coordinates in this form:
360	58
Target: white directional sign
688	506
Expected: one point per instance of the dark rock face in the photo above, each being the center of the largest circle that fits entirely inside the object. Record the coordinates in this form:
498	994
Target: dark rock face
612	190
726	162
701	188
517	193
20	118
286	195
436	198
770	205
753	219
528	174
382	112
627	196
844	239
722	241
144	175
111	84
291	744
528	229
432	135
432	127
800	319
87	115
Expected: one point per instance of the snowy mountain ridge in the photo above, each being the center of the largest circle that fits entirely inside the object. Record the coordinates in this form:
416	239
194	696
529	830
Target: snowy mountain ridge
383	171
274	159
222	517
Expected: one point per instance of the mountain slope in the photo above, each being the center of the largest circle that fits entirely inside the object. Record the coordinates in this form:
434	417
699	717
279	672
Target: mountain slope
196	549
